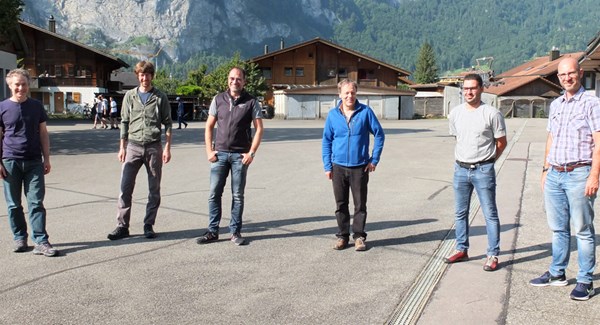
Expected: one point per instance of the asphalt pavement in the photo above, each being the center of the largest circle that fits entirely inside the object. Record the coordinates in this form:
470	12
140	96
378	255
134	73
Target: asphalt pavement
288	273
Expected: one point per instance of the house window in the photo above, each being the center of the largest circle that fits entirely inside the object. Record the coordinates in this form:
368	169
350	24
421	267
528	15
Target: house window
267	73
287	71
589	80
70	71
58	71
331	72
299	72
342	72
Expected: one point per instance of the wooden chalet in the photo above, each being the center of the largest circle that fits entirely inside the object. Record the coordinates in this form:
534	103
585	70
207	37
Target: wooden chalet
306	75
65	72
11	48
590	63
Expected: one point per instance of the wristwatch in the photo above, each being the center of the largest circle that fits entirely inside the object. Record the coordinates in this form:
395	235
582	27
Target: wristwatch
251	154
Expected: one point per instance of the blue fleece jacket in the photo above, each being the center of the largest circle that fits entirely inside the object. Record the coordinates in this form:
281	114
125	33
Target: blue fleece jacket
347	143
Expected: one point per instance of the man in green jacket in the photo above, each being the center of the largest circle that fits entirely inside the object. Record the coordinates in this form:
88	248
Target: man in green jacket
143	111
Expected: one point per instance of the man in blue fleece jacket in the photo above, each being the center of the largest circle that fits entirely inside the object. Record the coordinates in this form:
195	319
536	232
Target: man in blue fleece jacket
348	163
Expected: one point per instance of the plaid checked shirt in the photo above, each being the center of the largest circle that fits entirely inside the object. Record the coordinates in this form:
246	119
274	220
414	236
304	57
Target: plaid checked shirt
571	123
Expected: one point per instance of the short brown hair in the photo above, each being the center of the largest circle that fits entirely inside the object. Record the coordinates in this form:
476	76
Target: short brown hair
347	82
144	67
476	77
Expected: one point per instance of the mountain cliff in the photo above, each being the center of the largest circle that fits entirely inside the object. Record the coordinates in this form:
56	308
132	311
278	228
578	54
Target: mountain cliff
512	31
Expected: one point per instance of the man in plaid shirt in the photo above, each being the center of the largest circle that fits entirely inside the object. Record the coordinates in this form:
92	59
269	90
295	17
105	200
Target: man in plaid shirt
570	179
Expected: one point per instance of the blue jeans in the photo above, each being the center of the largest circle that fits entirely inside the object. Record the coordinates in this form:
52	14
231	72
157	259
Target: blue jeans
483	180
27	175
219	170
566	204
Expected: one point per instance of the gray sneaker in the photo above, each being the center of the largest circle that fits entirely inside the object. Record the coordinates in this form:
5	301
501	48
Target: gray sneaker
238	239
20	245
44	249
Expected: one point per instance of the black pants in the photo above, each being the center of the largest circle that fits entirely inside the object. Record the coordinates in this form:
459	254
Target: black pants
356	180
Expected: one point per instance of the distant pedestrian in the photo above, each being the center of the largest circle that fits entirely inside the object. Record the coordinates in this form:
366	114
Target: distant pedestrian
233	112
114	110
480	134
347	162
25	161
144	110
570	178
99	118
180	113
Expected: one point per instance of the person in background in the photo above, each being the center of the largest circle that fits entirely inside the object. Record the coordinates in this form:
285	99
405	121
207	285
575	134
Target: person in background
114	123
570	177
180	113
25	149
345	153
144	110
480	134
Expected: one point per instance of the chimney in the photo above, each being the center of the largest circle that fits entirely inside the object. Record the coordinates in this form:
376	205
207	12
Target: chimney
266	49
554	54
52	24
281	45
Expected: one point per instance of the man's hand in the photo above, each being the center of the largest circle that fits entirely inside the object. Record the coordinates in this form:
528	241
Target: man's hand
370	167
591	186
329	175
247	159
212	156
47	167
166	155
2	171
121	155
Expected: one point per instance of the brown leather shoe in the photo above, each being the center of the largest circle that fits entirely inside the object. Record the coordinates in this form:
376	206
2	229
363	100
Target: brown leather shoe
340	244
491	264
359	244
457	256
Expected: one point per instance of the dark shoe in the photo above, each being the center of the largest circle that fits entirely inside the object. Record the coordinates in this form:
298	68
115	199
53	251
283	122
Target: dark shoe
179	128
457	256
44	249
547	279
20	246
340	244
491	264
238	239
185	126
583	291
149	232
359	244
208	237
119	233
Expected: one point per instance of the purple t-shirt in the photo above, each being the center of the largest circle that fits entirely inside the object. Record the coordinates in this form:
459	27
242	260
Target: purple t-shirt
21	125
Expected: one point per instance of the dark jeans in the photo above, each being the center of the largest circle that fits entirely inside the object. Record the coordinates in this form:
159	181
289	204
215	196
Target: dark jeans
149	155
356	180
227	162
28	175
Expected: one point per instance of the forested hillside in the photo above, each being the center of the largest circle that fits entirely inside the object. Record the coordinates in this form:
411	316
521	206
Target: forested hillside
191	32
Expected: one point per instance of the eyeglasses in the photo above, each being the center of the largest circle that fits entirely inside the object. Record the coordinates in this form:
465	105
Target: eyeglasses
470	88
571	74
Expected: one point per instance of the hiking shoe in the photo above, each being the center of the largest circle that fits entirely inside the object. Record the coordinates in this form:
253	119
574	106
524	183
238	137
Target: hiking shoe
208	237
340	244
119	233
149	232
491	264
359	244
238	239
583	291
44	249
547	279
20	246
457	256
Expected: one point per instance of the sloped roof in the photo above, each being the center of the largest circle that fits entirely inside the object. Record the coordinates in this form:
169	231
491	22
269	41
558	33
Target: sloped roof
68	40
534	70
336	46
333	90
591	59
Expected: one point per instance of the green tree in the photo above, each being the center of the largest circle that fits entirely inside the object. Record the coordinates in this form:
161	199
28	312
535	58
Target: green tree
163	81
9	17
426	68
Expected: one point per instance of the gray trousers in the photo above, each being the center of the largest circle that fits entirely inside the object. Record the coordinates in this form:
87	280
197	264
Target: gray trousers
149	155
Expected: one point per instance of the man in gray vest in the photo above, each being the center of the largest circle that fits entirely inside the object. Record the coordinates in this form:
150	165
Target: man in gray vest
233	112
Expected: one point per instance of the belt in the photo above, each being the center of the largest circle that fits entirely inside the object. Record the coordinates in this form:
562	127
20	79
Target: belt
569	168
474	165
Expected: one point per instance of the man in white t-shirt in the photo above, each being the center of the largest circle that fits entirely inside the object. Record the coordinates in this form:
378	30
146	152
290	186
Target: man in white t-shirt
480	134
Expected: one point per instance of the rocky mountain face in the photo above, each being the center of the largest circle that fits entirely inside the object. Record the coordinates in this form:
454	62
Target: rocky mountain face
181	28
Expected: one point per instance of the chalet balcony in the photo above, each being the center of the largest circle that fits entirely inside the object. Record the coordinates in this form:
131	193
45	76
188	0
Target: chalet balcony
65	81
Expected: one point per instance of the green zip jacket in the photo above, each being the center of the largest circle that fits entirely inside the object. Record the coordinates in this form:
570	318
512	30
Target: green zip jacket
142	123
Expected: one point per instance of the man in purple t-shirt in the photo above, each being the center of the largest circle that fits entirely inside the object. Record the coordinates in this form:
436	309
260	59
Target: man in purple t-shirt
25	149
